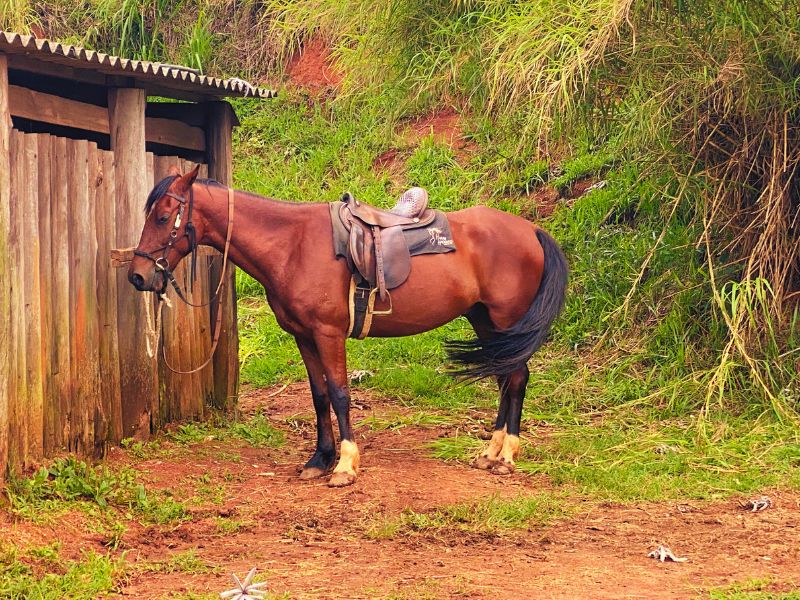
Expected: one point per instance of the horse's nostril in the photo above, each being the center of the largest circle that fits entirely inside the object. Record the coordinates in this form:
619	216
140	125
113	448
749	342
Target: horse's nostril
137	281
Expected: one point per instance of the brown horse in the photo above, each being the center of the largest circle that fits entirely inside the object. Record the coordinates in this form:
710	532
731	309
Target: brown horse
507	277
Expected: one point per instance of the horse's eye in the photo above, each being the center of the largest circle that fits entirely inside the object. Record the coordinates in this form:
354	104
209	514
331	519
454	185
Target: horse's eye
163	219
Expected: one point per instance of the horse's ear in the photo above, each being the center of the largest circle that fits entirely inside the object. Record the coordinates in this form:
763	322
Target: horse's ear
186	181
173	171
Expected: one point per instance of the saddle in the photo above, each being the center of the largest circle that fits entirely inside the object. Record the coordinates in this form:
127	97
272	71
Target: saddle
376	243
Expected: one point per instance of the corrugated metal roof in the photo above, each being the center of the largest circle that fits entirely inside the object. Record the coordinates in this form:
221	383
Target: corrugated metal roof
163	75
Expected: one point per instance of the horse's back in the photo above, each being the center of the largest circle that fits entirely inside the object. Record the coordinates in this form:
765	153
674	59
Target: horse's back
498	262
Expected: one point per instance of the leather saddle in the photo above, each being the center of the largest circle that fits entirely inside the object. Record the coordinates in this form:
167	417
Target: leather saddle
376	244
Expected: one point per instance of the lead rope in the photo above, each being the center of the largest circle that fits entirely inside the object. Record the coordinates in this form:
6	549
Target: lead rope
152	347
153	336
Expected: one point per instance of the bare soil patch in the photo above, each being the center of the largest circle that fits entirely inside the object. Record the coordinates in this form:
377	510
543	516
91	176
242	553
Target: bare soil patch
311	541
312	68
445	126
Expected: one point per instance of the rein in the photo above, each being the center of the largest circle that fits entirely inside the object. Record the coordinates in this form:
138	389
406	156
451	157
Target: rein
162	265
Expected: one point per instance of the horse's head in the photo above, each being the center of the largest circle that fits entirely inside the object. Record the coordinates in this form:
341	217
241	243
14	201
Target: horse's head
169	233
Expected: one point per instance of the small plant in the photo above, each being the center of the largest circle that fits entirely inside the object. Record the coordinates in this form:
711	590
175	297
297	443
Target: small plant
258	432
181	562
199	47
143	450
69	482
490	515
229	526
399	421
26	574
191	433
461	447
17	15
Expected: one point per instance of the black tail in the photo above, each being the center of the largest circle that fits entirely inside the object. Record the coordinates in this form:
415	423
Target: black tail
509	349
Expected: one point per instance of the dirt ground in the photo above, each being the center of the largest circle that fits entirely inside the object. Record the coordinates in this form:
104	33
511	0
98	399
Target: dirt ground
309	540
312	68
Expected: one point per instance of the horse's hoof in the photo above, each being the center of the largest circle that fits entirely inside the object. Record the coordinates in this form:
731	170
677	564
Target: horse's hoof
312	473
484	463
342	479
502	467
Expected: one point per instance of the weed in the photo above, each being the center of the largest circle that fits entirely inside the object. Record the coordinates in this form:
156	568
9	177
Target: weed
229	526
258	432
191	433
181	562
460	447
490	515
215	494
143	450
755	589
36	574
199	47
255	430
70	483
399	421
17	15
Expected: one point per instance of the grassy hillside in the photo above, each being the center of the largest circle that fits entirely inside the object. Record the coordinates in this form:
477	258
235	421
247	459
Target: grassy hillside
673	368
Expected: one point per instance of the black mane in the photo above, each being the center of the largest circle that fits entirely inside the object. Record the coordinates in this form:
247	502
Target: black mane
162	186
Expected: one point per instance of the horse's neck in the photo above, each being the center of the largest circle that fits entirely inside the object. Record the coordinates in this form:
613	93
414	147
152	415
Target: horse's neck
262	233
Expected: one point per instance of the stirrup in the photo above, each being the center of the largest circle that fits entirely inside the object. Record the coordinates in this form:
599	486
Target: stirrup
379	313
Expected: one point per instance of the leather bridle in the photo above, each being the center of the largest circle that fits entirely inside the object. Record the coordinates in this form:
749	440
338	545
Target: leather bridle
162	265
162	262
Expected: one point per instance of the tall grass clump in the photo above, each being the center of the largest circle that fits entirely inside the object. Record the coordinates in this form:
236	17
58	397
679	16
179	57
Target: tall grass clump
212	36
17	15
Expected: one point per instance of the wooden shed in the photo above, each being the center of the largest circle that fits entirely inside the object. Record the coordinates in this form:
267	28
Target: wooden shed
83	138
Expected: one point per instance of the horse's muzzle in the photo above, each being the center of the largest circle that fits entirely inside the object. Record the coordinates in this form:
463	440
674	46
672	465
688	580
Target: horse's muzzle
146	285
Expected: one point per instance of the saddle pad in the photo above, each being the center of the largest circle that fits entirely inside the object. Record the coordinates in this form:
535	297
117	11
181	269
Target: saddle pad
434	238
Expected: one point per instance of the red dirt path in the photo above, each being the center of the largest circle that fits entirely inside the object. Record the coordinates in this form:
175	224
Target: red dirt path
311	542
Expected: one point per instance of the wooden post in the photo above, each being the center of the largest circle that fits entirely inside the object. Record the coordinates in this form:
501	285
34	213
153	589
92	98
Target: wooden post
49	407
18	383
33	413
61	351
107	292
5	284
137	383
219	132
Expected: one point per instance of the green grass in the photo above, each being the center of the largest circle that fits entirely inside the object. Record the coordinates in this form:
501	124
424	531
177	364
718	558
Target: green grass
484	516
181	562
40	574
633	459
231	526
72	484
756	589
396	421
255	430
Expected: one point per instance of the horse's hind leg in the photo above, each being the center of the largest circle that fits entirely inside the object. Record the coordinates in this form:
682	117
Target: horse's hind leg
325	454
482	324
487	459
514	392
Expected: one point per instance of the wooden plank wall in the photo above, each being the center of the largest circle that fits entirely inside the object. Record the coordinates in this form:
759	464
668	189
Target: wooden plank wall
64	382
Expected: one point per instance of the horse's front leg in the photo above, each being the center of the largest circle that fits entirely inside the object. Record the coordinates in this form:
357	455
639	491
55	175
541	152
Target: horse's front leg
334	363
325	454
